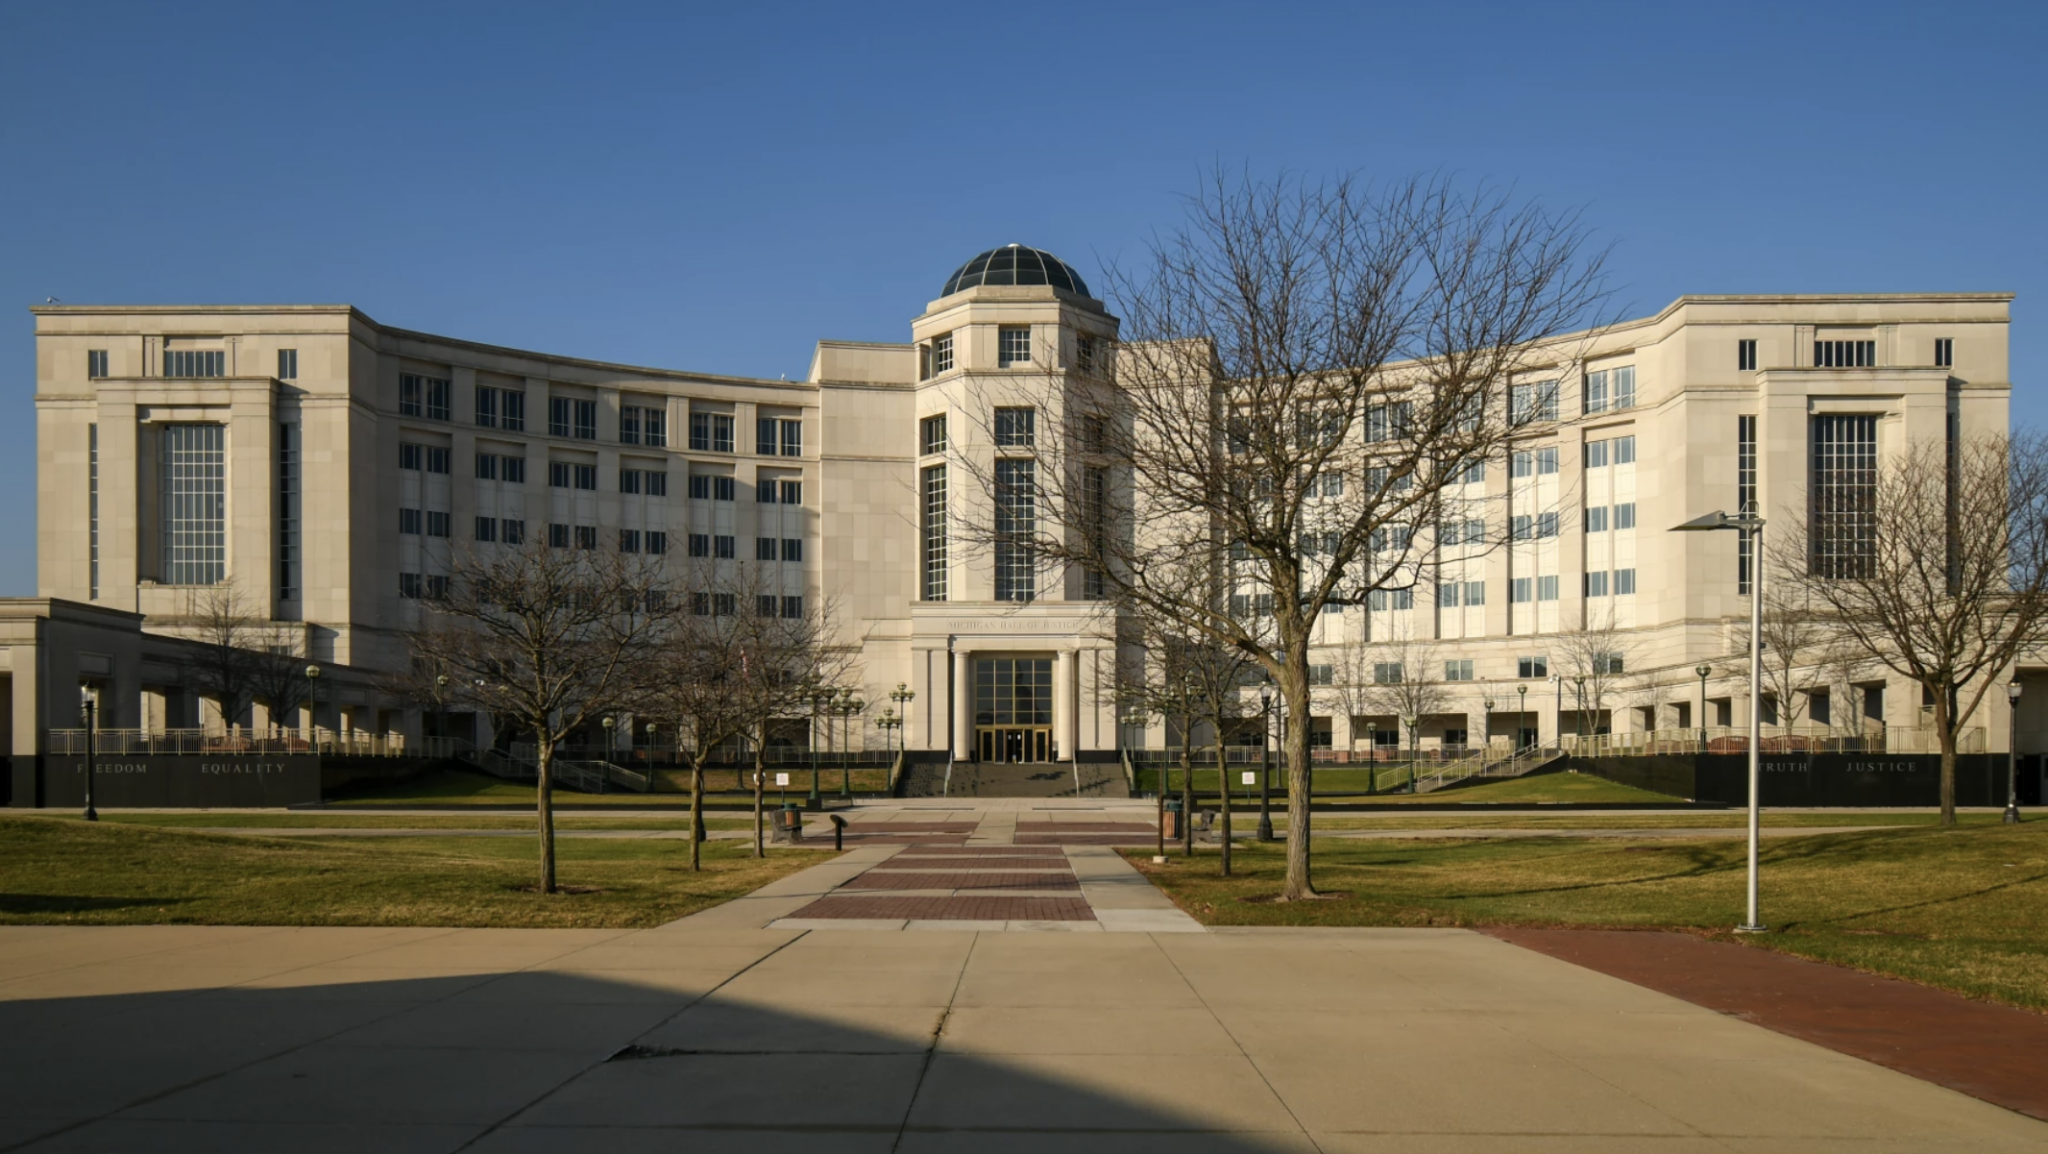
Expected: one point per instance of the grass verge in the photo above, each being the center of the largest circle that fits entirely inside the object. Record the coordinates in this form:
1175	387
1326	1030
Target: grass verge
74	873
663	820
1964	909
1536	789
457	787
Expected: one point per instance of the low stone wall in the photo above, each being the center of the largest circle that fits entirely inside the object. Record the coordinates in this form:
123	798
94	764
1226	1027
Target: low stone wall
1818	779
203	780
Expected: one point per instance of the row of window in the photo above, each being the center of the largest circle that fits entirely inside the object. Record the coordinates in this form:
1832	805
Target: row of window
576	419
1599	454
728	604
572	475
1621	583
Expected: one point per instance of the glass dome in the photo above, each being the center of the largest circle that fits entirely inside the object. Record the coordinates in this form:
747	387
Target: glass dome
1015	264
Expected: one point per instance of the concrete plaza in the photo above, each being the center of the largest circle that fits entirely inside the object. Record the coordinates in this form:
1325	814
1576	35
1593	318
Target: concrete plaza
704	1036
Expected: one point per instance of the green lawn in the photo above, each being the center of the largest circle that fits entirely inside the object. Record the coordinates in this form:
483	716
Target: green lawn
71	872
1963	909
663	819
458	787
1733	820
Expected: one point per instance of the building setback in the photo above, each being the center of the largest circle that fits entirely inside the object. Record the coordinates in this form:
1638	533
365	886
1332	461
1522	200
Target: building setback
328	468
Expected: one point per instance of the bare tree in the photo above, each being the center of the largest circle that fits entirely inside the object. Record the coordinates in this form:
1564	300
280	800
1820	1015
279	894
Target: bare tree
704	685
1796	640
1933	564
1596	659
1290	337
1404	683
227	665
549	639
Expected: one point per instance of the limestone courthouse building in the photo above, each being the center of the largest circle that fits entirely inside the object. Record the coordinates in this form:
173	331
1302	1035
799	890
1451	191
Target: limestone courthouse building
328	466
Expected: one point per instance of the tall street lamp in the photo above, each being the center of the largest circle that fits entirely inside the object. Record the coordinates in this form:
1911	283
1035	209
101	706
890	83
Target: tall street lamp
1485	732
313	691
1265	765
902	695
609	723
91	707
1750	521
2012	754
1704	671
1521	714
888	724
1372	753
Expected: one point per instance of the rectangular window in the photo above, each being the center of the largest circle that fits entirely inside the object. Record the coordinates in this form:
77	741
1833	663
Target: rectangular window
1386	673
700	486
1624	450
1519	527
1546	461
1546	588
1625	387
95	363
942	353
409	586
409	521
1596	454
486	466
1745	492
792	549
1845	354
629	425
1596	584
710	433
195	363
486	407
1322	675
437	587
764	548
194	504
1596	519
1624	582
1520	590
559	415
437	523
657	542
1389	422
792	607
933	531
1459	670
932	435
724	547
487	528
1378	599
1013	346
512	532
287	364
558	474
420	396
654	484
440	459
641	425
1625	515
1532	667
1944	353
288	487
765	604
1546	525
1521	464
1475	593
724	488
700	544
511	410
1016	428
1533	403
629	540
558	536
1596	392
1016	525
779	436
629	480
1745	356
1087	352
586	536
1448	596
513	470
570	417
1842	484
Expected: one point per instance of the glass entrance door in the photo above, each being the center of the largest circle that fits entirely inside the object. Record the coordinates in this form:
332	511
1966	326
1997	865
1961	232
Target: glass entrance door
1012	744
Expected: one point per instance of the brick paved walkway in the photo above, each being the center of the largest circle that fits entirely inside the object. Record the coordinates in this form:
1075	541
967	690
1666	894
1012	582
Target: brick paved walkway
1995	1053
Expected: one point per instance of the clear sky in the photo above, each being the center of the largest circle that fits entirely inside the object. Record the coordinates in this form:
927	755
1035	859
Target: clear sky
715	187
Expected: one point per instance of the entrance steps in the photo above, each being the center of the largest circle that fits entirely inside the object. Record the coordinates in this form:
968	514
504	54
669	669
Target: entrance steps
1031	779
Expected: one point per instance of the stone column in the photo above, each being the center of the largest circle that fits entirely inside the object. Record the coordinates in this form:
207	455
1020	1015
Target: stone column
1066	711
962	703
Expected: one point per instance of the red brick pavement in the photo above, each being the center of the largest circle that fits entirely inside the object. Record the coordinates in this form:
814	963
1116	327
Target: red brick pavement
990	861
992	908
986	851
907	880
1995	1053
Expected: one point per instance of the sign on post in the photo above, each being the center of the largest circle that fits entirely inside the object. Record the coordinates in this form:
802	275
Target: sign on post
782	779
1250	778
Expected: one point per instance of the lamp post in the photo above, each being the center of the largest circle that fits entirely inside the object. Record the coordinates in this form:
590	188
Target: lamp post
313	684
1704	671
902	695
1265	832
91	708
888	723
1485	732
849	709
1372	753
1521	714
610	723
1749	521
2012	754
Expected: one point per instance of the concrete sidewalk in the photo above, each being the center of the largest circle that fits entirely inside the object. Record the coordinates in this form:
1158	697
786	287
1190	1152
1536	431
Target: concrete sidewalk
707	1038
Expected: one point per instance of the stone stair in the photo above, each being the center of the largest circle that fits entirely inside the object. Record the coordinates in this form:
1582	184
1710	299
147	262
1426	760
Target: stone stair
977	779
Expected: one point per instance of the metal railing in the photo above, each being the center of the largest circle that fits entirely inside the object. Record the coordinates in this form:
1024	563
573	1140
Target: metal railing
231	742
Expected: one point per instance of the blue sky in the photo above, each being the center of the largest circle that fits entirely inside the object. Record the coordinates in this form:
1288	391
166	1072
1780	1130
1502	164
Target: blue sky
717	187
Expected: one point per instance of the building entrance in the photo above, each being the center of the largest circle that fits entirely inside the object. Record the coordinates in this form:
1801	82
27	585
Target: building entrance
1013	743
1013	709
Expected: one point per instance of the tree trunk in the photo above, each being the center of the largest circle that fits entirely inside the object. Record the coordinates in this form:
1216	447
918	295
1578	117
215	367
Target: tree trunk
1294	690
760	795
544	805
1945	728
696	813
1223	779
